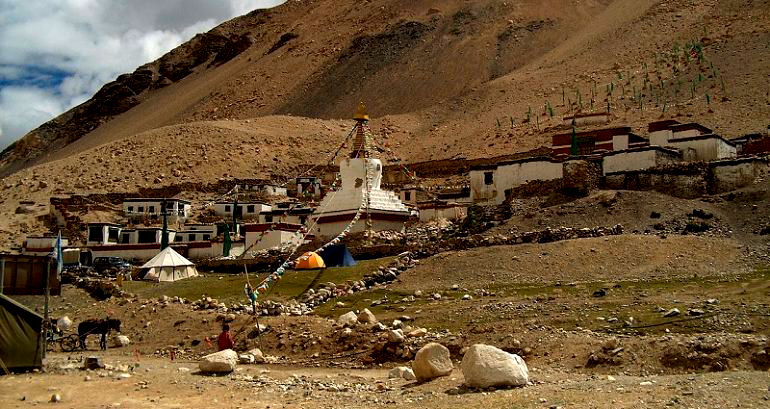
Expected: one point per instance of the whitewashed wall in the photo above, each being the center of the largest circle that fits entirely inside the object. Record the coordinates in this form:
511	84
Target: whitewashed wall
635	160
509	176
707	149
451	213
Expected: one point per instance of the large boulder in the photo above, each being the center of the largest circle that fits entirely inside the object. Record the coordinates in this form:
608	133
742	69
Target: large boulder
347	319
432	361
485	366
219	362
366	317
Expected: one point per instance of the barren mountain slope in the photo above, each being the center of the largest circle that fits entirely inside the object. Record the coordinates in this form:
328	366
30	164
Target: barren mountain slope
446	71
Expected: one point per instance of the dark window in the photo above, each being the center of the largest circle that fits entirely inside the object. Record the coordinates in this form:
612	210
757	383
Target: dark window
206	237
269	218
130	209
146	236
141	209
112	234
250	209
489	178
302	219
191	237
227	208
178	237
407	196
151	209
126	238
95	234
586	147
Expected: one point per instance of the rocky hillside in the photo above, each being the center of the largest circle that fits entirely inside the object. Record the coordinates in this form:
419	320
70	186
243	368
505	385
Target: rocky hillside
499	73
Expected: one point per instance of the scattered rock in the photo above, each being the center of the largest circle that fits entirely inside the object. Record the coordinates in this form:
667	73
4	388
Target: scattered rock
419	332
121	341
347	319
366	317
55	398
402	372
94	363
259	357
672	313
246	359
396	336
600	292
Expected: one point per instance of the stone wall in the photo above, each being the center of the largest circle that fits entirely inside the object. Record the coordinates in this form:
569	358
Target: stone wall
581	176
735	174
691	180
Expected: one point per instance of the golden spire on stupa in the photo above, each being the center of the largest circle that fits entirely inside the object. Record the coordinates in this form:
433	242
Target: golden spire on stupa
361	140
361	114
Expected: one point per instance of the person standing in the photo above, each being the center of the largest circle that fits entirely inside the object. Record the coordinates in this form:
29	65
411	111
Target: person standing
225	340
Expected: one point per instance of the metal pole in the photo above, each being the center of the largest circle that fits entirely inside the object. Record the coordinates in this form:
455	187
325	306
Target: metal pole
259	330
2	274
46	317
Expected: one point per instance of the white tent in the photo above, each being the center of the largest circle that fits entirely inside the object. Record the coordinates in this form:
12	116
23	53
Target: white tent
168	265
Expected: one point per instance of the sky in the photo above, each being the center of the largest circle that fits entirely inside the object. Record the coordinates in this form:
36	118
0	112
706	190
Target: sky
55	54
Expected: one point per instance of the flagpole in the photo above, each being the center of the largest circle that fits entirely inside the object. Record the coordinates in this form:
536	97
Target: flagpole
46	318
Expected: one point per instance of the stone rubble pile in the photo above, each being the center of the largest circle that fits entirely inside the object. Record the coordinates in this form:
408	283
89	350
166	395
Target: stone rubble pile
395	341
306	383
430	246
384	275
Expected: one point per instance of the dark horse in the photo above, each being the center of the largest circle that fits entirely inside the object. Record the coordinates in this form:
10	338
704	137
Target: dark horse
97	326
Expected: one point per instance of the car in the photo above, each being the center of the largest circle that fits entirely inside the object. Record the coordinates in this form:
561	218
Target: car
102	264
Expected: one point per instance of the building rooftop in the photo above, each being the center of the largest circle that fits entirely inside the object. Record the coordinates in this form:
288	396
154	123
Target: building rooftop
155	199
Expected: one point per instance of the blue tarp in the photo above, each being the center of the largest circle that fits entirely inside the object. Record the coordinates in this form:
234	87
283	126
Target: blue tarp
337	256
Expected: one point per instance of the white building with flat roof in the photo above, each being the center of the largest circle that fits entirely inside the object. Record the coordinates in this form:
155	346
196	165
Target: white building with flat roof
138	209
243	210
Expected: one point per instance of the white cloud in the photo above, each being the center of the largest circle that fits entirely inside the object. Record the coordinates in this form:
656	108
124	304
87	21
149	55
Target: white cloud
54	54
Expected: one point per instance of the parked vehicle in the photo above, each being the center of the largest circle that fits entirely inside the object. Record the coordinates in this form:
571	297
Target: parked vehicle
105	264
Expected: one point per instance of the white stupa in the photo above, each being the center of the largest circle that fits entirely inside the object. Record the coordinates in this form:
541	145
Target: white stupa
360	173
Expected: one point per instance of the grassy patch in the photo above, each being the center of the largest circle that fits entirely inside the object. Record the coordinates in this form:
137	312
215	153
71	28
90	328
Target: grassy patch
229	288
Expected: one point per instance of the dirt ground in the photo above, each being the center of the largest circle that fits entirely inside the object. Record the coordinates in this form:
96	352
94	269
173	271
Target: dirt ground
161	383
622	257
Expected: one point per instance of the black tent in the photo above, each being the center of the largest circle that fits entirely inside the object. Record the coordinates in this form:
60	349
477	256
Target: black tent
19	336
337	256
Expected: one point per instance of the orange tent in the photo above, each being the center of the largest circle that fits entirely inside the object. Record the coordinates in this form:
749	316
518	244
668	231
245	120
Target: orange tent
309	261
